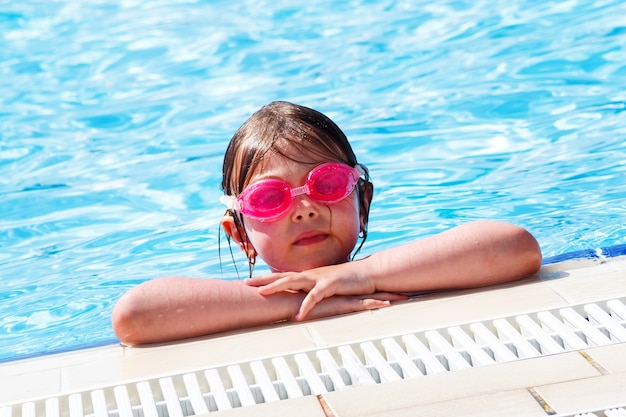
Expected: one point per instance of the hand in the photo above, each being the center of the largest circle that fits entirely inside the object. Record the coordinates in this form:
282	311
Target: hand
342	304
320	283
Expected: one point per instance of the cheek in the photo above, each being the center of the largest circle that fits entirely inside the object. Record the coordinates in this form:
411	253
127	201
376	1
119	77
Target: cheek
346	218
263	235
354	211
269	242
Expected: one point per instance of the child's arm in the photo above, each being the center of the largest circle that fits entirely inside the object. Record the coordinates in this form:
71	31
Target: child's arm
472	255
174	308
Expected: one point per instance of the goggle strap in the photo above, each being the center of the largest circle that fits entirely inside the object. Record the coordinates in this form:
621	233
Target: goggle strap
229	201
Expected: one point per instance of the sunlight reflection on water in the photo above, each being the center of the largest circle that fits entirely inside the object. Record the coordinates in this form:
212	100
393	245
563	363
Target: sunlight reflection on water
115	116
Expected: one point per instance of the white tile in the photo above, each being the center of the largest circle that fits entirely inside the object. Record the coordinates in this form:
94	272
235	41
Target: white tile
611	357
556	270
30	385
618	263
601	392
46	375
590	285
509	403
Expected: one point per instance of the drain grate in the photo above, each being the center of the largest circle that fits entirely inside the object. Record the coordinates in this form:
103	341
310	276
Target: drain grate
376	361
612	412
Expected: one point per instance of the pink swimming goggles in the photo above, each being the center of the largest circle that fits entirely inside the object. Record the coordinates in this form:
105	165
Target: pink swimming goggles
269	199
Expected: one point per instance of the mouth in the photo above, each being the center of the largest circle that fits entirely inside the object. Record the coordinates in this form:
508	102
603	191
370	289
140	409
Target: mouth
307	239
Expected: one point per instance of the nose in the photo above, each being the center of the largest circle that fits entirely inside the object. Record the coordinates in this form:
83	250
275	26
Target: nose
304	209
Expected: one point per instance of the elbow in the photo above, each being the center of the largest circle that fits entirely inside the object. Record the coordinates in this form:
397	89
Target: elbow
528	252
517	252
126	320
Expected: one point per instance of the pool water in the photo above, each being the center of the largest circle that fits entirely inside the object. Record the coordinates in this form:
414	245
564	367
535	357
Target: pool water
114	116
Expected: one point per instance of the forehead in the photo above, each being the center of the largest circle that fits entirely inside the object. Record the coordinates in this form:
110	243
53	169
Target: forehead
298	151
276	165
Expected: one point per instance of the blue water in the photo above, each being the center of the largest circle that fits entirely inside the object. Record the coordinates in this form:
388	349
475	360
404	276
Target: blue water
114	116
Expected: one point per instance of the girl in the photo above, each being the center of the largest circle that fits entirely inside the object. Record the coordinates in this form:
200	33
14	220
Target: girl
298	198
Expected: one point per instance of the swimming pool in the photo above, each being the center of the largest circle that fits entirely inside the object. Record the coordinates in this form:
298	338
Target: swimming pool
115	115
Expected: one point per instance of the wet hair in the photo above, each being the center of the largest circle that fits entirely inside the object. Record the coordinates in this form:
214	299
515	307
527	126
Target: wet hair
295	132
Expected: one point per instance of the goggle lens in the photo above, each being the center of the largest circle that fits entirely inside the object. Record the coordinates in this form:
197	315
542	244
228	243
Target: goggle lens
330	183
270	199
265	199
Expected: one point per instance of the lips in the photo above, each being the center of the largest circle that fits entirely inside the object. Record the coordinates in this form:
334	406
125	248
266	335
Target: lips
310	238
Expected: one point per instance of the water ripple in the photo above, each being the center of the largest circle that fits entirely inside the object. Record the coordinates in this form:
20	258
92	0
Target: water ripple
114	118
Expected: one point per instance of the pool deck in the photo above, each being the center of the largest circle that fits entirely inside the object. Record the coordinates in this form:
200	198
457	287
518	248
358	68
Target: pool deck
568	383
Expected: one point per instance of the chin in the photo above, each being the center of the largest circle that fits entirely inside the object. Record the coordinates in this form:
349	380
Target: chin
322	262
311	260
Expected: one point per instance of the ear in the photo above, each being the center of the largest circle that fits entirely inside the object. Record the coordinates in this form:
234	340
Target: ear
366	192
237	232
230	227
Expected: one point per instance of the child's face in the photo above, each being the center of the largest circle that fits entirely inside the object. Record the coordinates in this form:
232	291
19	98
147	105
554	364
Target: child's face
310	234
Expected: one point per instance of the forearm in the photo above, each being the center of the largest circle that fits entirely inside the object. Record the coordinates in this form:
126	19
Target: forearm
175	308
472	255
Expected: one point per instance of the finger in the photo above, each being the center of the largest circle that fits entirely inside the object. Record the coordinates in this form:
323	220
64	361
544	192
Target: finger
287	284
263	279
372	304
315	295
